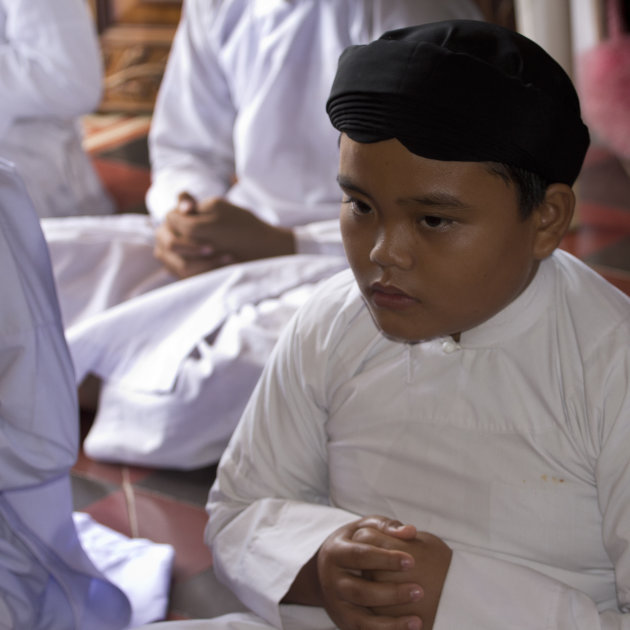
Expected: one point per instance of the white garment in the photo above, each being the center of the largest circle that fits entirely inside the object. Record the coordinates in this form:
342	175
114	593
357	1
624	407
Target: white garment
44	573
48	565
244	94
141	568
50	74
512	445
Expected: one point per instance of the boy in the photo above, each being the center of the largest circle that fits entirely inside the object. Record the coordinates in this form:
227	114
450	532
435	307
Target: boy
465	384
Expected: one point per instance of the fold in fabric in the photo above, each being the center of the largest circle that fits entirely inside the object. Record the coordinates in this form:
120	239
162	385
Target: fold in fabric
144	340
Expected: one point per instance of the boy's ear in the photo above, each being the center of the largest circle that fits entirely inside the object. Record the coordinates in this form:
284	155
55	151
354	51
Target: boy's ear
553	217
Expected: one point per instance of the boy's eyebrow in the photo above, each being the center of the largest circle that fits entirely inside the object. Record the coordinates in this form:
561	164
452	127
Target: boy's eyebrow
438	200
347	183
433	199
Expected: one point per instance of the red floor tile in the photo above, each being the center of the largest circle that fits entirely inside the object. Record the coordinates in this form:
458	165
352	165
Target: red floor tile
127	184
96	470
112	511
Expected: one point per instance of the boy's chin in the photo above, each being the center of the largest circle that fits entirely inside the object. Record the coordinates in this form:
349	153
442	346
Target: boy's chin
408	337
396	330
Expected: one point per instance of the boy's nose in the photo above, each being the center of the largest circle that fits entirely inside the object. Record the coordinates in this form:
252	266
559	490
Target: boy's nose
392	247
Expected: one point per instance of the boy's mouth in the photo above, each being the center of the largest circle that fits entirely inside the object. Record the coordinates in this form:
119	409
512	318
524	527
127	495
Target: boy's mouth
389	296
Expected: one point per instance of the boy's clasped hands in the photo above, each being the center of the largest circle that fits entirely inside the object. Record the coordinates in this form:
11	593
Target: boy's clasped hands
378	573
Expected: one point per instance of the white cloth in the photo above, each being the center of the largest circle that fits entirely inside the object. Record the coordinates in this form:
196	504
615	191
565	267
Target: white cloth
139	567
293	618
178	378
55	571
44	573
50	74
512	445
243	95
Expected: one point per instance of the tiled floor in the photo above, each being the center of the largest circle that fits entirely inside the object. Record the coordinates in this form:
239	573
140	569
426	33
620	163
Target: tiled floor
167	505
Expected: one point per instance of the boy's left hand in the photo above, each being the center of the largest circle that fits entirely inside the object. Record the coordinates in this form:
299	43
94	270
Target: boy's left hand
432	560
346	594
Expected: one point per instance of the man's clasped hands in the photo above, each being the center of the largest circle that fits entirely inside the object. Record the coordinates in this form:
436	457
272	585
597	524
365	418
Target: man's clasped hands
199	236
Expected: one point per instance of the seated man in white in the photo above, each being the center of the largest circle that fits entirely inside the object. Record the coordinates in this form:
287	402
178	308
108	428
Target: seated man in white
50	74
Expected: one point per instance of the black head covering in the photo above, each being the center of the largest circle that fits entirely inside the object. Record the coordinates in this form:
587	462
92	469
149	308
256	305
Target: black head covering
462	90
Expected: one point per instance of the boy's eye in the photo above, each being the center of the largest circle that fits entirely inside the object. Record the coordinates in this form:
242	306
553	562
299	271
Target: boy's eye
357	206
434	222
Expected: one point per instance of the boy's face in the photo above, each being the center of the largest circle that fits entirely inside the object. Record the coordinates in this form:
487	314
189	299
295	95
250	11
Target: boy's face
436	247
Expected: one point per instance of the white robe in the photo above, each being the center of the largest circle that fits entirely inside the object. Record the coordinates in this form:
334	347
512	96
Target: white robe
44	573
244	94
512	445
50	75
48	556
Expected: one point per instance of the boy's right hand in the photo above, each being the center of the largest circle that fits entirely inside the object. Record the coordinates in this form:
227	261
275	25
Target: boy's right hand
347	596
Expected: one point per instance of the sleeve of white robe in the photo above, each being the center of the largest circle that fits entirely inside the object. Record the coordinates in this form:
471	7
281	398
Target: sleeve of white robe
38	411
191	132
269	508
50	61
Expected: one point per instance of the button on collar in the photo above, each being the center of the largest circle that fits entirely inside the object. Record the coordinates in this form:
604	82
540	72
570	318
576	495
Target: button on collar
449	346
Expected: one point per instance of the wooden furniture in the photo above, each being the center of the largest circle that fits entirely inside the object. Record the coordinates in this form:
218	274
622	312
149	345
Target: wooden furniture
135	37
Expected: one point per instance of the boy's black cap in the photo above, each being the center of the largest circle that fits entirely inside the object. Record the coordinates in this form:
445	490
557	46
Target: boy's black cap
462	90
